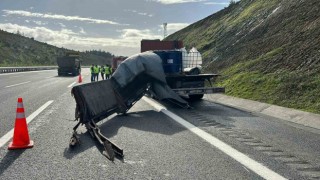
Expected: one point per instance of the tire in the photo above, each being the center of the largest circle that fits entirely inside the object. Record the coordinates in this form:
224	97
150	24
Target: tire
195	97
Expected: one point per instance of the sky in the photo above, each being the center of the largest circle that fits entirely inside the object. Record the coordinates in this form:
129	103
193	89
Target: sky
115	26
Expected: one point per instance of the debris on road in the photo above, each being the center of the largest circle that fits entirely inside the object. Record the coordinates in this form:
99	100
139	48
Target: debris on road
98	100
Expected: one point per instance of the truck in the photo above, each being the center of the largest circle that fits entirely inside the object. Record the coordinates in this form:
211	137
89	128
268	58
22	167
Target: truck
182	69
69	64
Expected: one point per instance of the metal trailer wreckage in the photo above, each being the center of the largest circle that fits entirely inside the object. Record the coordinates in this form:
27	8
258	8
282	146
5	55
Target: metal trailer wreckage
98	100
182	69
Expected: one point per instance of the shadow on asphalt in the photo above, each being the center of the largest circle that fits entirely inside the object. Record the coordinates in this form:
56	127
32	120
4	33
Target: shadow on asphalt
67	77
211	113
134	120
148	121
9	158
151	121
86	142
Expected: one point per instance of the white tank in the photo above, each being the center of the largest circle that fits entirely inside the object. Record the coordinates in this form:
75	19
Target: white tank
196	58
184	57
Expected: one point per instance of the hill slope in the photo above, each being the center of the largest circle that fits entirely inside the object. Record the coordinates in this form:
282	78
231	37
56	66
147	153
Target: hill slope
265	50
17	50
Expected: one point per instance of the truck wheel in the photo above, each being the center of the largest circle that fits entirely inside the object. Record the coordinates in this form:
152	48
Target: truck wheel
194	97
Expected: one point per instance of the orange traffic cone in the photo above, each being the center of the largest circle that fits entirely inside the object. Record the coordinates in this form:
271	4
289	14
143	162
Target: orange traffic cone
20	136
80	79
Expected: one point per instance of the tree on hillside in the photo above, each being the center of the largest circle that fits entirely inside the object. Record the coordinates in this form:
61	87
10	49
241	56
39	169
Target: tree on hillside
232	2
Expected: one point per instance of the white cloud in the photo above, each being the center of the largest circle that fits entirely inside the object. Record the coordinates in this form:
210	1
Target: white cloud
39	23
173	27
58	16
140	13
62	25
217	3
176	26
82	31
135	33
127	44
177	1
40	33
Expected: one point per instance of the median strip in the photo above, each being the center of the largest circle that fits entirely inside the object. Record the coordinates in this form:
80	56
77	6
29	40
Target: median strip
4	139
249	163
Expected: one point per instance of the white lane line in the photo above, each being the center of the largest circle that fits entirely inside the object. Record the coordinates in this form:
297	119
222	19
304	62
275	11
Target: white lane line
16	76
253	165
4	139
18	84
72	84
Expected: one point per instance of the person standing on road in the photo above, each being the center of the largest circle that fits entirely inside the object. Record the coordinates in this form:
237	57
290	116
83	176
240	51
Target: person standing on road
102	71
96	72
111	71
107	71
92	73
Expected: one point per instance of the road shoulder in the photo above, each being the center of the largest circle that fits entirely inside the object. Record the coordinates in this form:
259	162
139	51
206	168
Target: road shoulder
292	115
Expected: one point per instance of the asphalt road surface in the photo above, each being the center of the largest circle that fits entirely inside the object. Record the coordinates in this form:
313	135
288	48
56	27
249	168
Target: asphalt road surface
160	141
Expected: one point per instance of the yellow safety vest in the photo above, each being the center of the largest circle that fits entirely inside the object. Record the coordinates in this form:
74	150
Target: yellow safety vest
108	70
96	70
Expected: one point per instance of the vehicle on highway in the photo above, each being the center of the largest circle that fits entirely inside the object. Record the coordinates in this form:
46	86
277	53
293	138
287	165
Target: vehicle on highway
70	64
182	68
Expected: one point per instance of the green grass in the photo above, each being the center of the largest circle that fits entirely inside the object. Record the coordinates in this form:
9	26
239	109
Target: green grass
293	89
272	59
288	89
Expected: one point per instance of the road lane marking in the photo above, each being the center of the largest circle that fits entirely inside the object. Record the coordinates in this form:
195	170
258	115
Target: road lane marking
72	84
18	84
4	139
16	76
251	164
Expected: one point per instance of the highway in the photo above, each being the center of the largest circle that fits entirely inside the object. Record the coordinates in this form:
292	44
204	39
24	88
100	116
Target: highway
160	141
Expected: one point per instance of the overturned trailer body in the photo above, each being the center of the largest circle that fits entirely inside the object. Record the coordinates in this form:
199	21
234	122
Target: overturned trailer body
98	100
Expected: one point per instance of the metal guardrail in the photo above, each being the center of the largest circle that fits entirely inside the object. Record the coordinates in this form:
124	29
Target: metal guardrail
28	68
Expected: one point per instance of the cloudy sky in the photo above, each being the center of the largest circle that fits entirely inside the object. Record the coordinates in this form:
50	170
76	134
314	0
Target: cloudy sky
116	26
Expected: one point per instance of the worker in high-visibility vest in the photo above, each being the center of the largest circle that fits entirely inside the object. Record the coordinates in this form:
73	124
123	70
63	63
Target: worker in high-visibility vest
96	70
92	73
108	71
102	72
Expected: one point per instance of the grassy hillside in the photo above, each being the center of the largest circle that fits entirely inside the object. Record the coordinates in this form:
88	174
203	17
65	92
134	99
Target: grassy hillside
265	50
17	50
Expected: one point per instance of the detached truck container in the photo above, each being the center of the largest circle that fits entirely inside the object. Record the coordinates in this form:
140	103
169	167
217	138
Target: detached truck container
69	64
183	74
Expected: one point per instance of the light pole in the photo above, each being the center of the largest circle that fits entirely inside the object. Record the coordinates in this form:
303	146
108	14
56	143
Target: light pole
164	30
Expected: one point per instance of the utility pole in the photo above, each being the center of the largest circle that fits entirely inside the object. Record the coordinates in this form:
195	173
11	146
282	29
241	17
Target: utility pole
164	30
